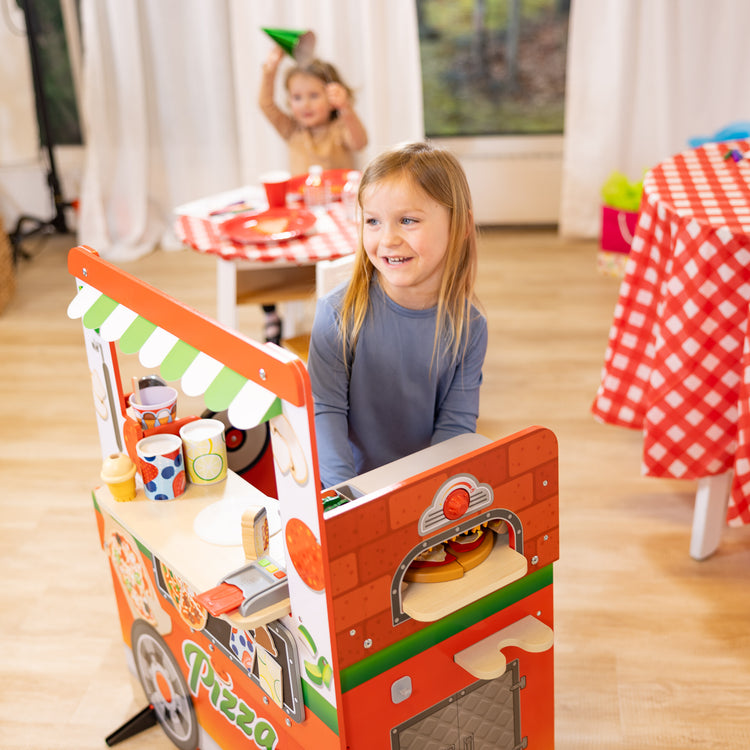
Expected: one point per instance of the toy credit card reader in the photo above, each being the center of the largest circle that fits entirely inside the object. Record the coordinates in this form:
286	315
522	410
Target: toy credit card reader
259	584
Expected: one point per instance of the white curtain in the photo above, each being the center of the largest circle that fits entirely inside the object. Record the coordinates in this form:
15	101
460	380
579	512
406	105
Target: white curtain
170	90
643	77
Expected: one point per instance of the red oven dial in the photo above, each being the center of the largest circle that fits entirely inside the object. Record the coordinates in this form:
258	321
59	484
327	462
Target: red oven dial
456	504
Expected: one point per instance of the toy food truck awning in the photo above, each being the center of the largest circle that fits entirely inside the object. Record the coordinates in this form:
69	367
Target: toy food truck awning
247	403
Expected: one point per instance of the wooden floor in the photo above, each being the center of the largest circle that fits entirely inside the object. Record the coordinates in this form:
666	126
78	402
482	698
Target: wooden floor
652	649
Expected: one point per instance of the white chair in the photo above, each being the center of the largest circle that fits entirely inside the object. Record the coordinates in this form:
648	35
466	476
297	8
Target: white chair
328	275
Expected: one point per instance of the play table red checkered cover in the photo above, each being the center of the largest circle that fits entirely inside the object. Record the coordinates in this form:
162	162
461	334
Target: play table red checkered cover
678	360
334	235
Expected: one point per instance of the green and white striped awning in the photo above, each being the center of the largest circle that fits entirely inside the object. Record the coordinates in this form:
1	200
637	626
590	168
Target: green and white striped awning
247	403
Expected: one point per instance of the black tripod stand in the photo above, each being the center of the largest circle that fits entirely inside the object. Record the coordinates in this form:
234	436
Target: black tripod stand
27	226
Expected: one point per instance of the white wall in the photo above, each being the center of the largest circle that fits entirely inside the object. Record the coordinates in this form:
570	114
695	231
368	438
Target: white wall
513	179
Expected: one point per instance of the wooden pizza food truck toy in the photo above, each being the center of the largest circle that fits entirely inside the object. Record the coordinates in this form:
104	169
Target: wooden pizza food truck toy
410	608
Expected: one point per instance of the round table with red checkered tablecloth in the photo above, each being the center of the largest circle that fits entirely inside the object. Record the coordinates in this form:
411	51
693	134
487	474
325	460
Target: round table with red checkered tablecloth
678	355
269	268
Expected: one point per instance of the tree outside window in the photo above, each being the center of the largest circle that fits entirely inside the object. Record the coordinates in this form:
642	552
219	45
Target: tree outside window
493	67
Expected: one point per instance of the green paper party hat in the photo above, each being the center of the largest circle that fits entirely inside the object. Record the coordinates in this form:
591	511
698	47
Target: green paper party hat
299	45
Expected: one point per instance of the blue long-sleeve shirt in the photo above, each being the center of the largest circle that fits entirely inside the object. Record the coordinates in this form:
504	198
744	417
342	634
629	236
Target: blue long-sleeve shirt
394	400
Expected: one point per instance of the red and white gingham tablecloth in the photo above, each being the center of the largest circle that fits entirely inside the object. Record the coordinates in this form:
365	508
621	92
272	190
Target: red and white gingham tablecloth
678	360
333	237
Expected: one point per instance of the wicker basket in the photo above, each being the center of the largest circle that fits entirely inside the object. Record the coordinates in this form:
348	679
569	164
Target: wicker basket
7	270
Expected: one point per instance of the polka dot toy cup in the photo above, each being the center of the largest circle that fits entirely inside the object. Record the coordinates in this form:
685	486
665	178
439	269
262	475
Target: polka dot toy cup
205	449
155	406
161	465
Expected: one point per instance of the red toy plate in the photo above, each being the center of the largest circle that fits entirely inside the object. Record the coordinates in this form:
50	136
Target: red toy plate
274	225
336	179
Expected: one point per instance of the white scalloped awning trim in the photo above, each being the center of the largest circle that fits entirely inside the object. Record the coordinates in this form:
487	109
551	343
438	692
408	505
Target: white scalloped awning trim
246	402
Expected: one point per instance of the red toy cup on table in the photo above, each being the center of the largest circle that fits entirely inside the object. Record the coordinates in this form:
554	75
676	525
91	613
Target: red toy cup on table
276	185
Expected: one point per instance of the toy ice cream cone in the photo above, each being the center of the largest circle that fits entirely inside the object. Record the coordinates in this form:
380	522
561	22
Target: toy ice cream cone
299	45
118	471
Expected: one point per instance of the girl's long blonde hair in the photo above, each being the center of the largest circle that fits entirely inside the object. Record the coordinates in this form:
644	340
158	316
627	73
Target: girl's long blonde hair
436	171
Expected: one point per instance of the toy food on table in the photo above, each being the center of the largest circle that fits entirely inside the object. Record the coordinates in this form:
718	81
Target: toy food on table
273	225
334	179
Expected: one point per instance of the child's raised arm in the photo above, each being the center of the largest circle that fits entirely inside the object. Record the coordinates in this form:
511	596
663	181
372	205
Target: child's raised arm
281	121
356	135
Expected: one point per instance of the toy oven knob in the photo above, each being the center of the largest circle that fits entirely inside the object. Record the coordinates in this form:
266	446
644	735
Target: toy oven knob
456	503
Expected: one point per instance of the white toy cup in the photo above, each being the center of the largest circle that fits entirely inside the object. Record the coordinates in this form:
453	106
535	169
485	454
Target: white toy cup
205	449
161	466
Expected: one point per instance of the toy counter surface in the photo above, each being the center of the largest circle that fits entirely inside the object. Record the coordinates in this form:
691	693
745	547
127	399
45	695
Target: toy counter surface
170	528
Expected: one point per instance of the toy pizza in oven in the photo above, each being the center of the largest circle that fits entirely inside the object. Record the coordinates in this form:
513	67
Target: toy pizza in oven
273	225
451	559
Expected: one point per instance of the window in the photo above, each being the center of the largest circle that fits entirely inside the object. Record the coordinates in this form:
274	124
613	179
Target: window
493	67
47	42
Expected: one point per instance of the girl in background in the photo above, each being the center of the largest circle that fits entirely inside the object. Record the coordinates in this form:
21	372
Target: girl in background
396	353
323	128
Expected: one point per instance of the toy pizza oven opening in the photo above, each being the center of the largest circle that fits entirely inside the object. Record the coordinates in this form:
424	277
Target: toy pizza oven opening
469	559
467	539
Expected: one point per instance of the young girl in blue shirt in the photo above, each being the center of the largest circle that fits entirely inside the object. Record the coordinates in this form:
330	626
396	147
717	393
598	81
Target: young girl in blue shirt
396	353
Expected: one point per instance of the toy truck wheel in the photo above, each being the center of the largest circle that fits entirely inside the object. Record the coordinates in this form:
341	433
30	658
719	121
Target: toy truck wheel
164	685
